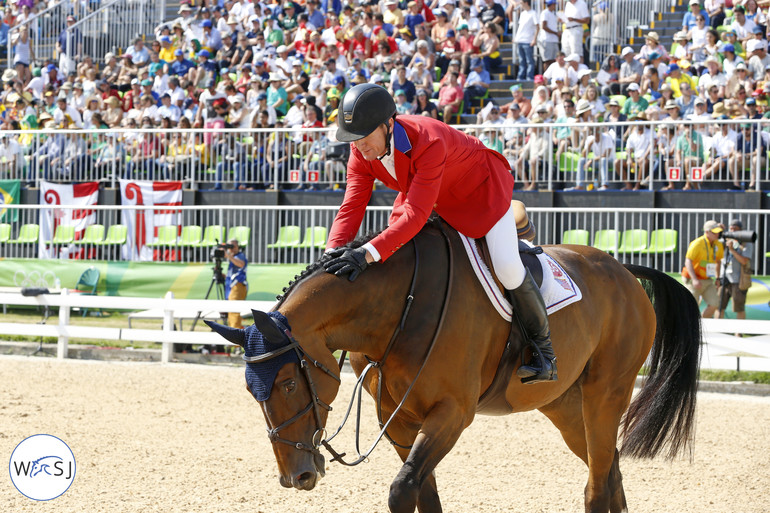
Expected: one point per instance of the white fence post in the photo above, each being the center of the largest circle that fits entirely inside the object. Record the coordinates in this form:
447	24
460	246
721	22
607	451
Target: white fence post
168	325
64	320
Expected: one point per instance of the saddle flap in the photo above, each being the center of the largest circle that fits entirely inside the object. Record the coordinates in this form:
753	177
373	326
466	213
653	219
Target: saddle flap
528	256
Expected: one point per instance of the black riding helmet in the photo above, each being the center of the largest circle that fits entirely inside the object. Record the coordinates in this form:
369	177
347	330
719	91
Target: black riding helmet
363	108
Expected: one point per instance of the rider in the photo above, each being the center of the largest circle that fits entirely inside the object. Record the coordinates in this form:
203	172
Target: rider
434	167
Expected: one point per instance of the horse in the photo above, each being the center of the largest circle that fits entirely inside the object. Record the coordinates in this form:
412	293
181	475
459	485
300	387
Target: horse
422	318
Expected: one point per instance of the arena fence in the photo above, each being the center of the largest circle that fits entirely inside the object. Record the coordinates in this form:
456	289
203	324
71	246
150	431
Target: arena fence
723	348
706	153
652	237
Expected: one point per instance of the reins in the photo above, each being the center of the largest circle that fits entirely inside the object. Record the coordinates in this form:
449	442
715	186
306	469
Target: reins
357	390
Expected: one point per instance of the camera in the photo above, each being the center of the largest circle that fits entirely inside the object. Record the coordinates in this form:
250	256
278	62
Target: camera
740	235
218	252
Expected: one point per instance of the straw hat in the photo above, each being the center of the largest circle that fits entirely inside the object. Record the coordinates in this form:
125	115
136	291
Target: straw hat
112	101
719	110
9	74
583	106
654	36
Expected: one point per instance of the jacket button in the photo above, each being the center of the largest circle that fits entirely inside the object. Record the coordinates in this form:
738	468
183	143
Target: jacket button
435	205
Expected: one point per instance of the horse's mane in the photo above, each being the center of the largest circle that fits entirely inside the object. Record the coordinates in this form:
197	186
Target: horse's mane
318	265
359	241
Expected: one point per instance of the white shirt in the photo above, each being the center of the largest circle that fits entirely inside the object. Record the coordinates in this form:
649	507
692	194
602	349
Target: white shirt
525	32
602	144
578	9
722	144
551	21
389	163
745	30
58	115
638	143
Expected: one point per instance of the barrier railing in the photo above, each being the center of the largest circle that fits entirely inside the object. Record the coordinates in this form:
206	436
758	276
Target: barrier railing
44	28
721	349
266	241
726	154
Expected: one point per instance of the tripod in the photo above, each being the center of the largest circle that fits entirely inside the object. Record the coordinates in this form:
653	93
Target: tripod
218	283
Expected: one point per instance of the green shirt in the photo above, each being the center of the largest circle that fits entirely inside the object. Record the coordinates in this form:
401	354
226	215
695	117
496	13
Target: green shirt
632	108
683	145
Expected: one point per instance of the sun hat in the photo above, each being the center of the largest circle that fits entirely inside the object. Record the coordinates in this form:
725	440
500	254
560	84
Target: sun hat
712	226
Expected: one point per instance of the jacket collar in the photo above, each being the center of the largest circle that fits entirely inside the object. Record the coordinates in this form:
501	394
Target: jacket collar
400	138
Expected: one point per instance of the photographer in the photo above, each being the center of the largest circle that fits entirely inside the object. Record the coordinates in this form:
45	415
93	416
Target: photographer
702	265
236	285
738	254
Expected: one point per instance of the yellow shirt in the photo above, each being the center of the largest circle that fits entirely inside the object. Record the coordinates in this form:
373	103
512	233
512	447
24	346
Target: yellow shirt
702	252
167	54
675	83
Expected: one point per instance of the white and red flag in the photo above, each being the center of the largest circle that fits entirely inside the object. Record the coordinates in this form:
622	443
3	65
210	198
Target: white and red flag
53	194
143	224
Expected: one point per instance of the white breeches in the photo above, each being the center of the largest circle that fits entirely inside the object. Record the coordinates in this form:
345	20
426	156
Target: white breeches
504	250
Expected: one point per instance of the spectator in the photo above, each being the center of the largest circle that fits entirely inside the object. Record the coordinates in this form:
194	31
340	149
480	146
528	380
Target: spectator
393	15
739	83
564	137
525	40
651	46
560	70
702	265
715	9
576	14
549	33
493	13
403	84
603	31
424	106
630	70
676	78
635	104
140	56
450	97
738	255
689	18
690	153
69	46
741	26
477	84
713	79
722	147
518	98
602	145
751	150
639	148
756	50
615	116
402	105
533	154
276	95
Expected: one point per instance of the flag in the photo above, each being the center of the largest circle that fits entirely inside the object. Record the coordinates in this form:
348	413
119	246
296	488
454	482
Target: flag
51	194
143	224
10	192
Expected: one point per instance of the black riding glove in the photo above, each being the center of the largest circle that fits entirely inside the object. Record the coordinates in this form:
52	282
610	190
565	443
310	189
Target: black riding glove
351	262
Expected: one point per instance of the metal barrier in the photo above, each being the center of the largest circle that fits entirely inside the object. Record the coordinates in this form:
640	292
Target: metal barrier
647	155
266	244
44	28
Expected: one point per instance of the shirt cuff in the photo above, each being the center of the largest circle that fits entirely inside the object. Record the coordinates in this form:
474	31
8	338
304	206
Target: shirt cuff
372	251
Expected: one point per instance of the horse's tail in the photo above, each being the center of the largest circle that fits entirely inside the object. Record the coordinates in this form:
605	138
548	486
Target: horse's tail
663	413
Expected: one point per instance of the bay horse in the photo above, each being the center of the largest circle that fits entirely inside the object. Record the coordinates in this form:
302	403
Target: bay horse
423	319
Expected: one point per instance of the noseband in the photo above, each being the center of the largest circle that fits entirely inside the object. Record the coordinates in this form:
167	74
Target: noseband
315	403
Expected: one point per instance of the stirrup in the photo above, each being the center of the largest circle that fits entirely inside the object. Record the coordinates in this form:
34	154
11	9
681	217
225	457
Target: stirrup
532	373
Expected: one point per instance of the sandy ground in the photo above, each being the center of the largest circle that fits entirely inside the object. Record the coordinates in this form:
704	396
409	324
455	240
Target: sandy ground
189	438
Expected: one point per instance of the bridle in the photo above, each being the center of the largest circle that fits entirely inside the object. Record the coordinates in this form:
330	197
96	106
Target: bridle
316	403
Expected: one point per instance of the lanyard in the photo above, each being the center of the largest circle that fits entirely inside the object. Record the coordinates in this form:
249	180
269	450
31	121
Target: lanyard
705	241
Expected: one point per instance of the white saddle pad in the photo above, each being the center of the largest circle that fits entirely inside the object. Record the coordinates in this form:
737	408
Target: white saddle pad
558	289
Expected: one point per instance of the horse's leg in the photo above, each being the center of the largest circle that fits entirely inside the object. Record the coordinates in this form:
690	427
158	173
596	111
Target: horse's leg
437	435
428	501
566	413
603	407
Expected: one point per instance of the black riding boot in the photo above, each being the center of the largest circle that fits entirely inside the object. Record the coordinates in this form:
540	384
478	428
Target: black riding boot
529	307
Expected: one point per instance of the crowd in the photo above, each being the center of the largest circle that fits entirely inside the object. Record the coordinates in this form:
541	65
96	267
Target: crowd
246	64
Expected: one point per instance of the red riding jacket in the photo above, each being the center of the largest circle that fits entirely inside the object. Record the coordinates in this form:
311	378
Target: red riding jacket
437	168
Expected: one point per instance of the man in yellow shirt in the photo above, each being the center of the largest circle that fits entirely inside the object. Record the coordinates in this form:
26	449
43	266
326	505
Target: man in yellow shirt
701	266
676	77
167	49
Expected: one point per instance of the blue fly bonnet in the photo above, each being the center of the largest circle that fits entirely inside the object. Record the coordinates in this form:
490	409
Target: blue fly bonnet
260	375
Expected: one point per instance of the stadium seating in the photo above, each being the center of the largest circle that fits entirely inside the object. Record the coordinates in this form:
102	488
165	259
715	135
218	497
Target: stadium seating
94	234
288	237
28	234
606	240
191	236
664	240
5	232
633	241
240	233
315	237
575	237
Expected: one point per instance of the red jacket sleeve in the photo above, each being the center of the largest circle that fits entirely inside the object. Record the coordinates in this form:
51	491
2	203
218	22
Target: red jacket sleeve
360	183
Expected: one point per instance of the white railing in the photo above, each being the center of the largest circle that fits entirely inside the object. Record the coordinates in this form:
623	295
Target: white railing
44	28
549	155
264	224
722	349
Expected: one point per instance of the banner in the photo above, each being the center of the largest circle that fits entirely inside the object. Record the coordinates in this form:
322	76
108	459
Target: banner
10	192
143	224
80	194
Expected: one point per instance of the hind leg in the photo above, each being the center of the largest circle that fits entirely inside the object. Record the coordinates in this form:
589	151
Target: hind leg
566	413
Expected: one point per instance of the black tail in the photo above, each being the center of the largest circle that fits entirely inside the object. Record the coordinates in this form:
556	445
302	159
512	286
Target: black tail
663	413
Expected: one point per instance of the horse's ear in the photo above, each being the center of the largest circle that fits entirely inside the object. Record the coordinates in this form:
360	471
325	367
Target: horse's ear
234	335
267	327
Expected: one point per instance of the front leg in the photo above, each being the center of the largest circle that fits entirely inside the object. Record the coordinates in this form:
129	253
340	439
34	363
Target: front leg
415	483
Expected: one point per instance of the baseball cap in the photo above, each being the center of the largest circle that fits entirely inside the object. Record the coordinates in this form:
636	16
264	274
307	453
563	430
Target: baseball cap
515	87
736	222
729	47
573	57
206	24
450	33
673	67
711	225
550	2
146	82
50	68
262	96
165	39
204	53
626	51
751	101
633	86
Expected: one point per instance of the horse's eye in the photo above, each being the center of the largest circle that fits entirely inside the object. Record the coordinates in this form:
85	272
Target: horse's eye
289	385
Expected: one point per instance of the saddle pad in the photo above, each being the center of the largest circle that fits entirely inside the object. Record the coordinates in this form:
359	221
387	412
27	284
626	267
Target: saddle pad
558	289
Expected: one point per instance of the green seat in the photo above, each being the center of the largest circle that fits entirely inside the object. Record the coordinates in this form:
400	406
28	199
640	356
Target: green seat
315	237
117	234
63	235
167	236
568	162
606	240
87	283
5	232
288	237
240	233
633	241
575	237
94	234
191	236
663	241
28	234
212	235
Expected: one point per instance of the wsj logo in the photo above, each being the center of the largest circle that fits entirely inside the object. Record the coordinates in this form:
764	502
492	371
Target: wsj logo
42	467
